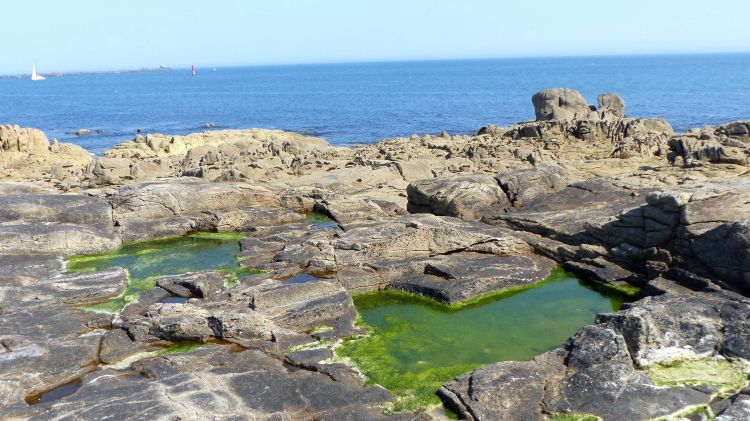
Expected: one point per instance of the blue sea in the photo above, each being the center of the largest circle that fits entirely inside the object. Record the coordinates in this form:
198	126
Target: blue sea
366	102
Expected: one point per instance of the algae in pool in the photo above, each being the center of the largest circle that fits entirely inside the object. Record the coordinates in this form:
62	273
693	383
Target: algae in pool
148	260
415	345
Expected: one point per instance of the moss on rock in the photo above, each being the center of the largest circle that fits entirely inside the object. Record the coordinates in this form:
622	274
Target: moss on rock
725	375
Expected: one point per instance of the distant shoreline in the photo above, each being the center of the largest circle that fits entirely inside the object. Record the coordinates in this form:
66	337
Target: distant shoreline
98	72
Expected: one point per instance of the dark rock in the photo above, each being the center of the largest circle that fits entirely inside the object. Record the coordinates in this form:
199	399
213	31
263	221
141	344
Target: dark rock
561	104
464	196
522	186
611	105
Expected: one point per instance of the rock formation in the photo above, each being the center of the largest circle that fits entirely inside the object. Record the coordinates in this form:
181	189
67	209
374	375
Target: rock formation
450	218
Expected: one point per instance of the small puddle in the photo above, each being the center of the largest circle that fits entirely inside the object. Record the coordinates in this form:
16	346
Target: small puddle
173	300
148	260
415	344
51	395
319	221
302	278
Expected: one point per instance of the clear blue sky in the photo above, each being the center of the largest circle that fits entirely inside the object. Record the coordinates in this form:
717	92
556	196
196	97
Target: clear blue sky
98	34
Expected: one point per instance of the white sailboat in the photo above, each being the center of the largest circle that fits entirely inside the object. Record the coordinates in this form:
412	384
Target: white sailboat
34	75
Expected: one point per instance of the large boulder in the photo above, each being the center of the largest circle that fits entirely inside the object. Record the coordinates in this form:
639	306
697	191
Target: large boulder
463	196
175	207
562	104
611	105
522	186
692	148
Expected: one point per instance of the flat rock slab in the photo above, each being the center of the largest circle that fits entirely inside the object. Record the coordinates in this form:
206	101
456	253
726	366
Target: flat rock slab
52	238
68	208
463	276
211	383
43	347
53	288
570	213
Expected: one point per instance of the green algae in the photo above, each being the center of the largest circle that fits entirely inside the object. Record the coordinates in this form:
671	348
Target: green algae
415	344
681	415
229	236
725	375
572	416
314	218
148	260
173	348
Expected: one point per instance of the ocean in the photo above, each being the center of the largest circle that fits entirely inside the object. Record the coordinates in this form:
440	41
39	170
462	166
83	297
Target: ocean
366	102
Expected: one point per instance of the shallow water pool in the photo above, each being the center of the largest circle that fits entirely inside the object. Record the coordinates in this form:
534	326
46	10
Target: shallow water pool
148	260
415	345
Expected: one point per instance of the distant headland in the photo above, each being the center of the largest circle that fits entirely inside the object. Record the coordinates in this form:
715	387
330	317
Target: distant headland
98	72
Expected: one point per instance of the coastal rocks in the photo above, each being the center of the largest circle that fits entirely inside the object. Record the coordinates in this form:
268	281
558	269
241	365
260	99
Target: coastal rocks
176	207
566	214
701	228
26	154
477	196
462	196
55	289
60	239
668	328
600	371
562	104
213	382
63	208
55	224
421	236
737	130
269	314
36	356
522	186
611	105
705	146
464	276
247	154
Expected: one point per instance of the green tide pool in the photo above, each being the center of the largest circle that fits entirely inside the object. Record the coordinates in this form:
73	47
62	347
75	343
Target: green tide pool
148	260
415	345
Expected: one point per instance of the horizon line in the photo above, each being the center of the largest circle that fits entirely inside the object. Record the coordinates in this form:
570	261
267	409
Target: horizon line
379	61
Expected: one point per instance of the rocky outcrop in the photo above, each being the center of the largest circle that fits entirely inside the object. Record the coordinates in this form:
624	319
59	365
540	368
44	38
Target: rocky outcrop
463	196
55	224
27	154
523	186
177	207
604	369
611	105
477	196
562	104
443	258
723	145
215	382
739	130
583	187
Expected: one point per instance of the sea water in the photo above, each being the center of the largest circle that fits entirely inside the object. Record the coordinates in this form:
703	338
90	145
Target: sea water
366	102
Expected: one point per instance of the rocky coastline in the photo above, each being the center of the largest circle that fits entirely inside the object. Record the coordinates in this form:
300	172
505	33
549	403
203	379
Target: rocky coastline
623	202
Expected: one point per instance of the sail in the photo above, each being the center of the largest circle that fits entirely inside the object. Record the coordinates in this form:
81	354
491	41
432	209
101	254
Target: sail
34	75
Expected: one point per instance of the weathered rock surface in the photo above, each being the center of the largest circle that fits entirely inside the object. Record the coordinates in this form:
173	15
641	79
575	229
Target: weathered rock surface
172	208
270	315
599	370
55	224
212	383
583	186
26	153
463	196
562	104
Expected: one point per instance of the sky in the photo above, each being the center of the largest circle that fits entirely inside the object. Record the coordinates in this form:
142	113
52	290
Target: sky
82	35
